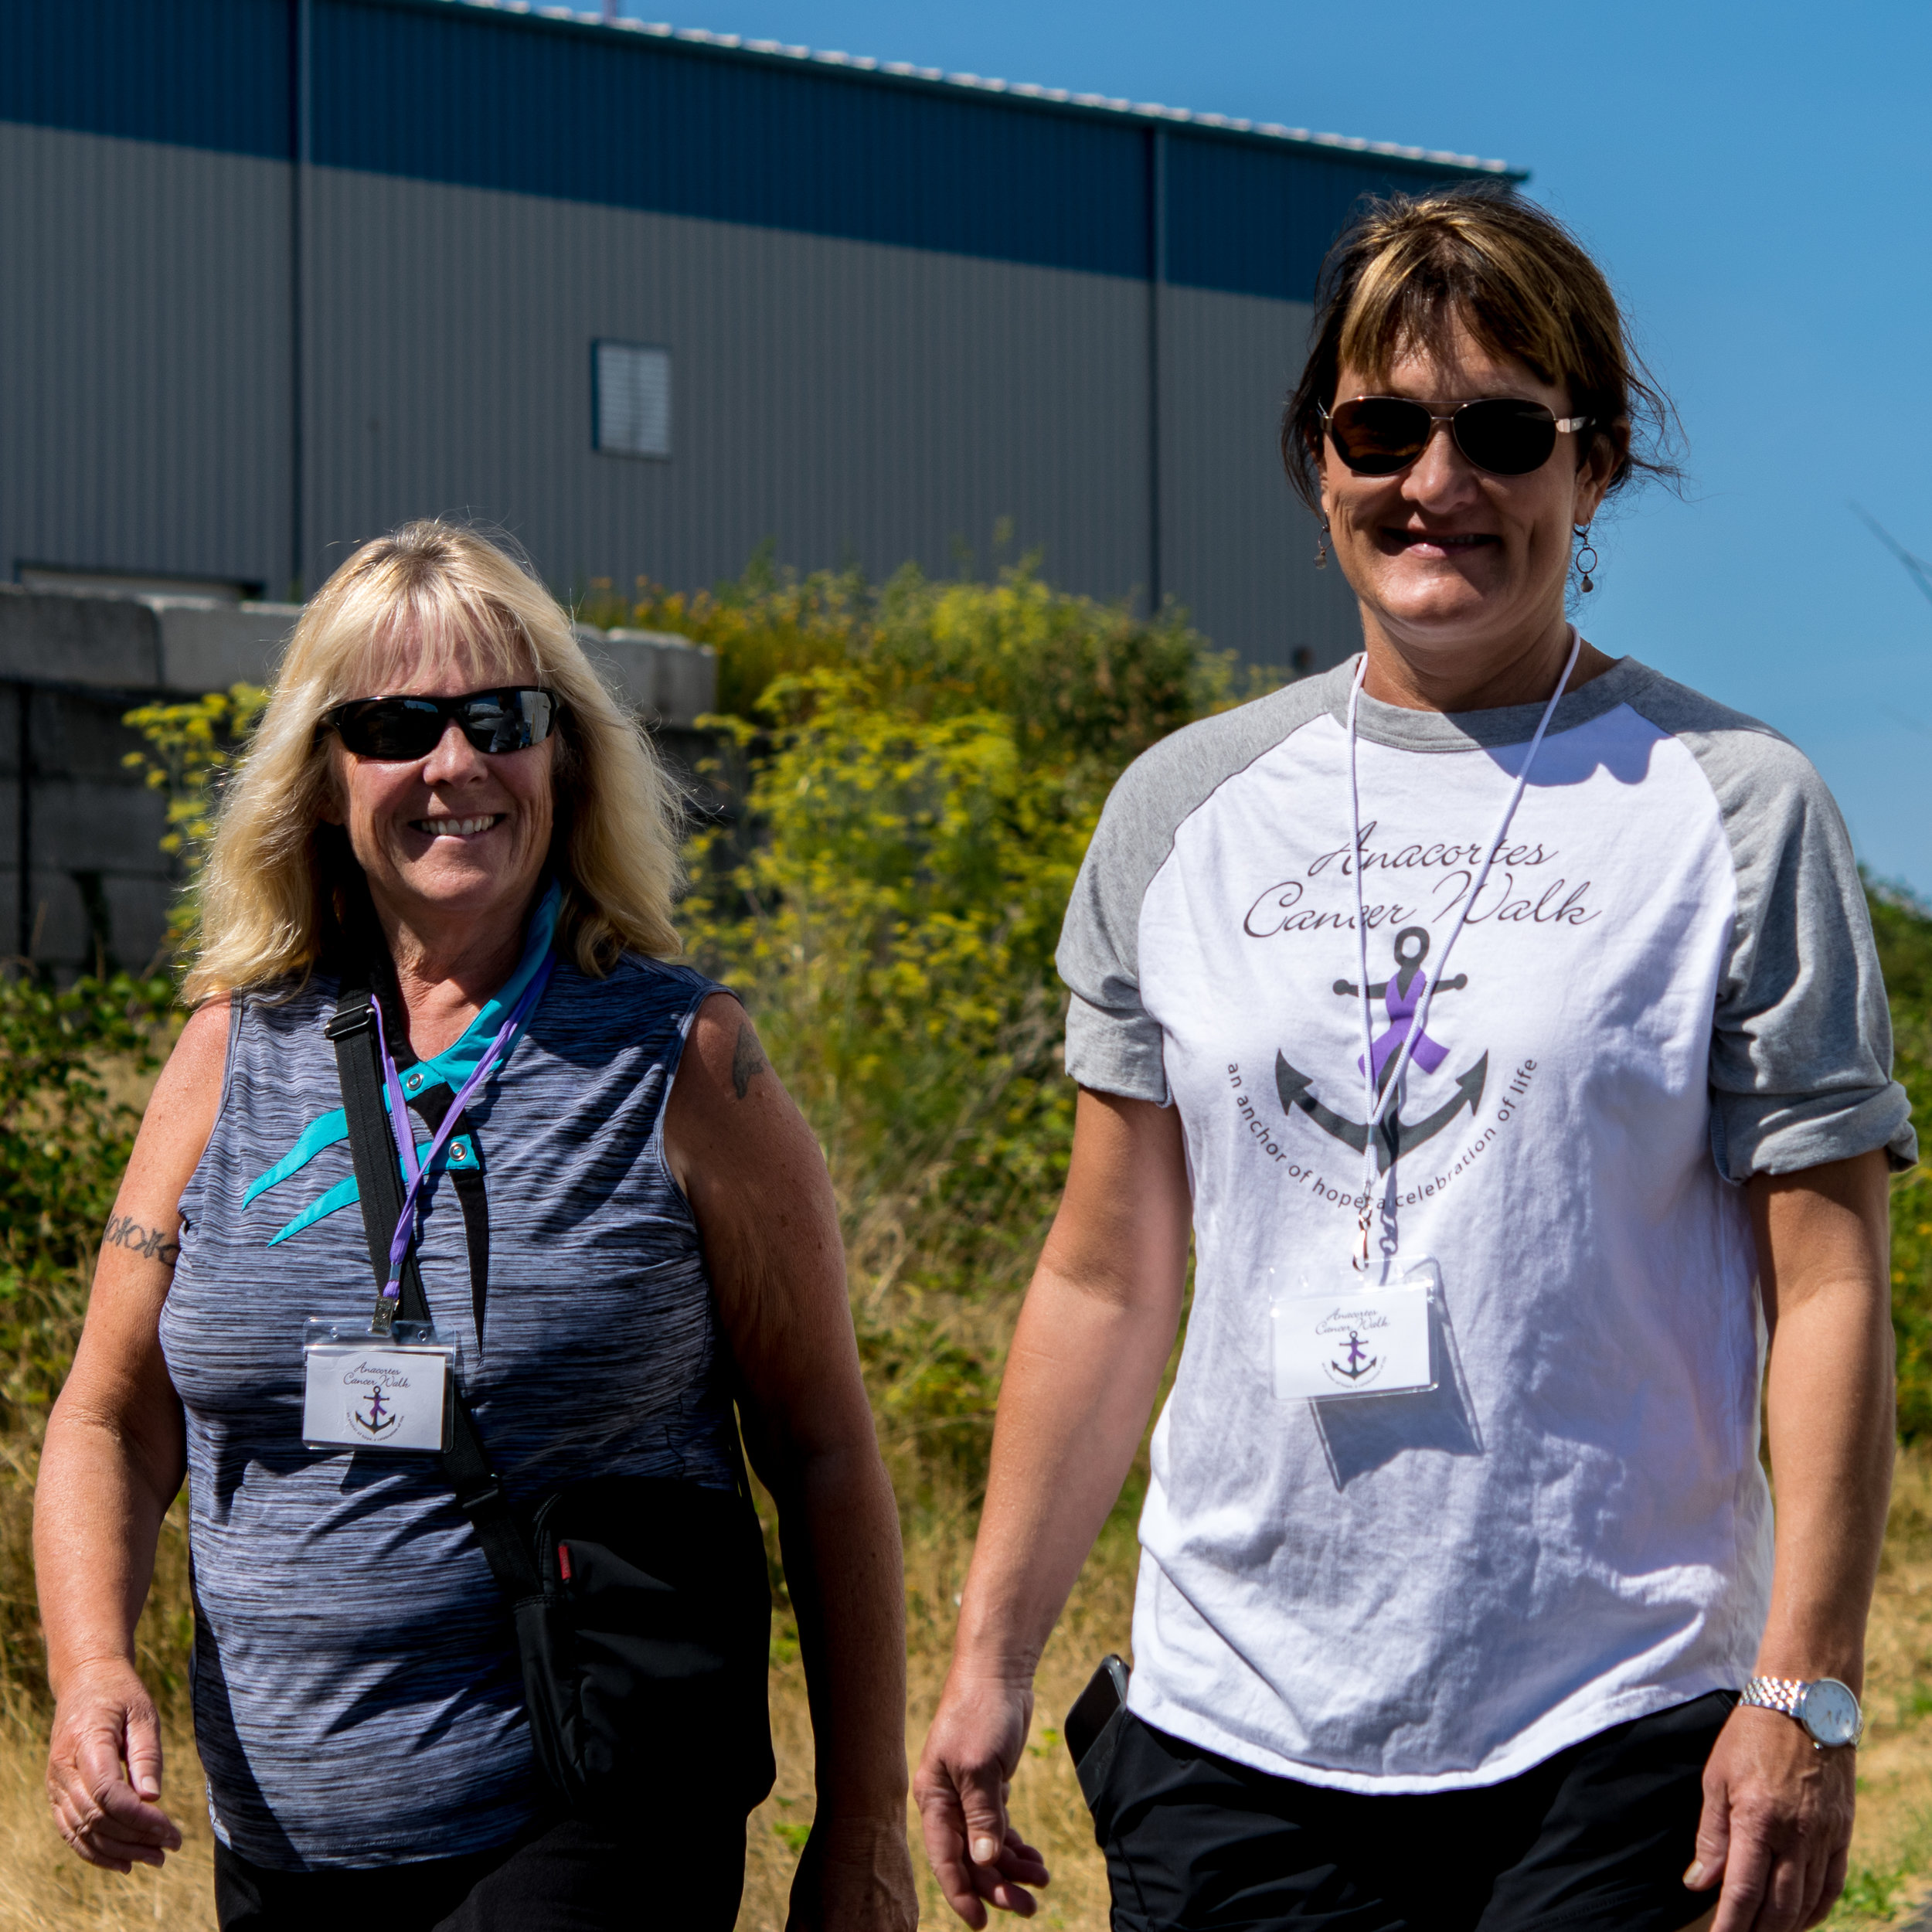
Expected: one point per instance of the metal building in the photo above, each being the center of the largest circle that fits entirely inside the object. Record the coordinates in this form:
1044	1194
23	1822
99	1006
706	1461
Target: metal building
280	273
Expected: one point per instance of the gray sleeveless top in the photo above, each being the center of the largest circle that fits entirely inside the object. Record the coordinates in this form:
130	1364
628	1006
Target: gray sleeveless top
356	1693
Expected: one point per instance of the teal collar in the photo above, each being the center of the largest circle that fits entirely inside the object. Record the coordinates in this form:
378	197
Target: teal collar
450	1068
455	1064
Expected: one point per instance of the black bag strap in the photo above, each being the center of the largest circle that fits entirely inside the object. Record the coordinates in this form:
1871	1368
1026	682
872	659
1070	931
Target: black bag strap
378	1182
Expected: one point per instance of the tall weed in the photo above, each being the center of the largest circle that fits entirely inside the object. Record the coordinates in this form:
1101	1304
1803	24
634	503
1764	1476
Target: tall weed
915	783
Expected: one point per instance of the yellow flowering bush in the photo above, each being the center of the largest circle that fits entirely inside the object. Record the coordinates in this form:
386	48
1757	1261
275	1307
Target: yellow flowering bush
914	775
191	747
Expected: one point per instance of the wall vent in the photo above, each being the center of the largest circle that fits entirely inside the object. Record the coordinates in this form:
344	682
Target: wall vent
631	399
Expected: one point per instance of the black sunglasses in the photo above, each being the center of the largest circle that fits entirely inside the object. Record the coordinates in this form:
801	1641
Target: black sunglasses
1507	436
399	729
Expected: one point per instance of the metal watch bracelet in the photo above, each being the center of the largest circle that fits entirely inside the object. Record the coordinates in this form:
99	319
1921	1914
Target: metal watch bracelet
1829	1712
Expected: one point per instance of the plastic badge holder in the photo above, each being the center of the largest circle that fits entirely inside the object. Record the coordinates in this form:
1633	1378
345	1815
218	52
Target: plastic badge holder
1347	1336
365	1391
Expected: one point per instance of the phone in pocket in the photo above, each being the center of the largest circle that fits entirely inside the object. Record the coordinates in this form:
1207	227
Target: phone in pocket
1096	1706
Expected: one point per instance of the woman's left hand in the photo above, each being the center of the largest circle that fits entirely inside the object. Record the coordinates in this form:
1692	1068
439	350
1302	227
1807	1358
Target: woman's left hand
1776	1827
1776	1824
758	1186
855	1876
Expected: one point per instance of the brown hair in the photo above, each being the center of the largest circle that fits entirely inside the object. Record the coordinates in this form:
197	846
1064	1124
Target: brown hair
1521	284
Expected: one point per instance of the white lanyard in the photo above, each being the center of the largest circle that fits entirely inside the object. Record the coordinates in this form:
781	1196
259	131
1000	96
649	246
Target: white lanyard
1376	1109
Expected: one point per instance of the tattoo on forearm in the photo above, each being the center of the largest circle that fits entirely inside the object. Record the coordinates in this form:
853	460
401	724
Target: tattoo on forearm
748	1059
152	1244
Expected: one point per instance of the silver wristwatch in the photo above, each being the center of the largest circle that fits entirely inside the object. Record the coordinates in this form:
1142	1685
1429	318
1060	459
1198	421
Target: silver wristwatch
1826	1708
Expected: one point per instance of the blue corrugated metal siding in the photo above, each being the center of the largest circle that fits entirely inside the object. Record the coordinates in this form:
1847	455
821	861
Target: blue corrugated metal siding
900	311
194	73
1248	221
534	107
591	118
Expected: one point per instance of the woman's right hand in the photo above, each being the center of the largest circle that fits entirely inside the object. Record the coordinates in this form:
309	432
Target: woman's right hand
964	1774
103	1769
1081	1375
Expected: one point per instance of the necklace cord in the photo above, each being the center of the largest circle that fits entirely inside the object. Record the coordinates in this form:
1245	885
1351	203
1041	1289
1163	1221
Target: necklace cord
1376	1109
418	1174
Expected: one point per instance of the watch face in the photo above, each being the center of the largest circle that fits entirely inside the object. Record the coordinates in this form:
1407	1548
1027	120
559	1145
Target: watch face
1829	1712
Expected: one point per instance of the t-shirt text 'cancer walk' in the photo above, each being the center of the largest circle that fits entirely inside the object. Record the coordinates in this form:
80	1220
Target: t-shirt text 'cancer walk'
1667	983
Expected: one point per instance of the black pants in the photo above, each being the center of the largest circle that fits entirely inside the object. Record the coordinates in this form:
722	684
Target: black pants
636	1875
1595	1840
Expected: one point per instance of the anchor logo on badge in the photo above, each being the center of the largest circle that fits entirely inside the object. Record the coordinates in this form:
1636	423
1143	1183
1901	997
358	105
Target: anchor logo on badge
378	1420
1401	993
1354	1365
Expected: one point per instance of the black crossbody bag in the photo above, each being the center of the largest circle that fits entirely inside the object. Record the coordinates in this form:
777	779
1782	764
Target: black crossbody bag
641	1605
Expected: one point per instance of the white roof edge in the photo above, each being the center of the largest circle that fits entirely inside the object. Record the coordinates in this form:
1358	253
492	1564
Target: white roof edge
1024	90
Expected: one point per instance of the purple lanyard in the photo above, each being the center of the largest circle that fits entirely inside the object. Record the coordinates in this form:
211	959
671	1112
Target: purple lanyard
398	1116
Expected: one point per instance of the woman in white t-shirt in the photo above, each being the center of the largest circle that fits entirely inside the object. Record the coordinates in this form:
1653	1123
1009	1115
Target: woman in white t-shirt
1457	1554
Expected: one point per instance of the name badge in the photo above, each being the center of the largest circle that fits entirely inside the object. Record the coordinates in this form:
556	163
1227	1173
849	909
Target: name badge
360	1391
1356	1339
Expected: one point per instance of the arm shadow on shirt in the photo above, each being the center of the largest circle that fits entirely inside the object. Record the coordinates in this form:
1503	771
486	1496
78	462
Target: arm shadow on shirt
1575	757
1363	1432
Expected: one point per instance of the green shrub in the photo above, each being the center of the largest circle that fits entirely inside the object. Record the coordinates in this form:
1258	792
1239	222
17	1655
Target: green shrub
914	782
1902	925
71	1063
191	747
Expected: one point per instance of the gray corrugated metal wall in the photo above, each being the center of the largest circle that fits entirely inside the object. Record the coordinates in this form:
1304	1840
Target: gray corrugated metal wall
1237	547
844	400
144	405
841	399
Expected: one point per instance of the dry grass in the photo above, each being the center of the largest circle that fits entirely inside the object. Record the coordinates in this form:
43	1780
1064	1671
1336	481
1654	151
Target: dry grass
1892	1854
1047	1804
44	1888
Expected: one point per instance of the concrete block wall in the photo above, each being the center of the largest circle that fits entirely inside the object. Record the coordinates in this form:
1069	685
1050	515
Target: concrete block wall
83	883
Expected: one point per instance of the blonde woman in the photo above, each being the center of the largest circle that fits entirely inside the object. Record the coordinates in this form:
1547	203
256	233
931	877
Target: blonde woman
620	1227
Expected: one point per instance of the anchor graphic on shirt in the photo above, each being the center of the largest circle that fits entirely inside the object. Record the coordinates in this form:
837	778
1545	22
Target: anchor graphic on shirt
1400	995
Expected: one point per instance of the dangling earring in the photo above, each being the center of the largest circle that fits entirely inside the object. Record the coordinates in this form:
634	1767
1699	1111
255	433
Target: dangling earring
1321	547
1586	548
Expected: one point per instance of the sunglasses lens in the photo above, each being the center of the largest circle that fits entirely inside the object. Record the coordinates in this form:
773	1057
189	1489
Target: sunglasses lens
1377	435
1505	436
398	728
506	720
390	728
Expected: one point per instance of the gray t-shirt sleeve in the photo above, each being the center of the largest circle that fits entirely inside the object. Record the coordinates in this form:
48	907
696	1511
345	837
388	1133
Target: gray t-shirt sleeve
1113	1044
1801	1067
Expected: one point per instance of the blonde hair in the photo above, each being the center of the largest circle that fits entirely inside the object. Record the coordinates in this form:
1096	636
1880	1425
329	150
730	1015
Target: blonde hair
1408	267
279	882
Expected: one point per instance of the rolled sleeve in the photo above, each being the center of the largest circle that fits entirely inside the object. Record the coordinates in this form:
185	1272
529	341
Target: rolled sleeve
1115	1050
1801	1052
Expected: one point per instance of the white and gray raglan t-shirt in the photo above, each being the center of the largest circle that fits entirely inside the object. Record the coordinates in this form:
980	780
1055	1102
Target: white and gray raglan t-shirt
1668	985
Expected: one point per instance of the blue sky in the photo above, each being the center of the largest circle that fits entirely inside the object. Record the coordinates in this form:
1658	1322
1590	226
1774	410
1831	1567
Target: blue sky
1756	179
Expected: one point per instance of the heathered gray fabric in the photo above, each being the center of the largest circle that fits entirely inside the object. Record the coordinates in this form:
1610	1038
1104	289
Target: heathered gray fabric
1801	1057
357	1697
1801	1050
1112	1045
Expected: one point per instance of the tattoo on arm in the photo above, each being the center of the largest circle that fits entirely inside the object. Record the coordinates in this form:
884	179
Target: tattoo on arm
748	1059
152	1244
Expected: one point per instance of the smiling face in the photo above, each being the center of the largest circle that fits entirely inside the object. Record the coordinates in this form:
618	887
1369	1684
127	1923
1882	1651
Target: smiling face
1449	560
458	838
